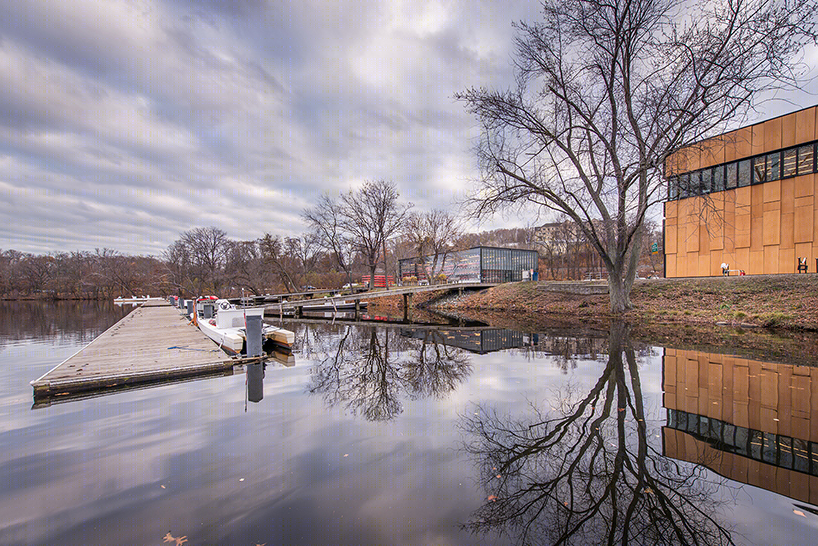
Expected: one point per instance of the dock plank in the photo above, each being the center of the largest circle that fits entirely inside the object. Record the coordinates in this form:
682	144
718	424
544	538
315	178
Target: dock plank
151	343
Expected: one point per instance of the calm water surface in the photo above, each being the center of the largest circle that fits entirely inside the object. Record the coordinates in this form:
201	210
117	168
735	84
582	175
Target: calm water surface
377	435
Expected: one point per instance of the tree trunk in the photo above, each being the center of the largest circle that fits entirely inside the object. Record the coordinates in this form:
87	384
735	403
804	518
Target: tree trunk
385	268
619	292
372	269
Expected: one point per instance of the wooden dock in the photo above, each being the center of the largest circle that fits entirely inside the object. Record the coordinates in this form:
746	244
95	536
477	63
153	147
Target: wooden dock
154	342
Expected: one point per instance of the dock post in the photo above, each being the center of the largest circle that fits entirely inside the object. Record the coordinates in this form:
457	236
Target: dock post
253	327
357	308
255	382
407	304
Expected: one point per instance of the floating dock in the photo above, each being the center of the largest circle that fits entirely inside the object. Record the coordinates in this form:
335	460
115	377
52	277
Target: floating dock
154	342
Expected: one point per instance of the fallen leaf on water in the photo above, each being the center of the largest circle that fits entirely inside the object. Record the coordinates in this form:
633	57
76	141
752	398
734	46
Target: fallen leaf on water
241	479
162	486
799	513
168	538
492	498
499	476
346	454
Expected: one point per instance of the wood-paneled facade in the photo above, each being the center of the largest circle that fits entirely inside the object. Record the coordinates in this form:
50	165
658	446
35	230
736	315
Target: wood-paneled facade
750	421
761	224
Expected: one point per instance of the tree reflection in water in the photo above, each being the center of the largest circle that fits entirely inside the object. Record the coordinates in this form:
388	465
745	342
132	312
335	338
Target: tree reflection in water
589	475
371	370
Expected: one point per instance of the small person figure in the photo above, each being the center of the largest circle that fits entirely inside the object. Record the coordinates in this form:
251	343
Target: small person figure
725	269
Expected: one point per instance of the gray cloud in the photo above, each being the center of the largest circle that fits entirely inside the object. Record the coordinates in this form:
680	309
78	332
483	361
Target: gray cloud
123	124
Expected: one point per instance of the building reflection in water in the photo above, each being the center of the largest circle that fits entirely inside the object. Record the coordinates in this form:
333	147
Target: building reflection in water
752	422
588	470
479	341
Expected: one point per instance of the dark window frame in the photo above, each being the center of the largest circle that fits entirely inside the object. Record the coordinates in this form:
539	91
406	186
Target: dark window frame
703	181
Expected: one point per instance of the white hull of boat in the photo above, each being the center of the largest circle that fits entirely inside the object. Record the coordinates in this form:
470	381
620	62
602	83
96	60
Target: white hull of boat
227	329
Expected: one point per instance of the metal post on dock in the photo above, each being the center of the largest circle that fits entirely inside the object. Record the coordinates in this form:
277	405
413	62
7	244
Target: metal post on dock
253	326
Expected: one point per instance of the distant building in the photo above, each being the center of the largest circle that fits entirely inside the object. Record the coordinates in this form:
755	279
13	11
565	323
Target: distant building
745	200
478	264
558	237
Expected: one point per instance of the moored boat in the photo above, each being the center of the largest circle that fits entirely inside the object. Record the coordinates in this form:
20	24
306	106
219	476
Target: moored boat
225	324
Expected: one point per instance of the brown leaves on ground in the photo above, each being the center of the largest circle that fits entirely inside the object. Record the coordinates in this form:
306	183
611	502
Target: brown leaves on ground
774	301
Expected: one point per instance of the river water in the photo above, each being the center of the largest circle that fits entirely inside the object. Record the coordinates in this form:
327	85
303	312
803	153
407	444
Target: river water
411	435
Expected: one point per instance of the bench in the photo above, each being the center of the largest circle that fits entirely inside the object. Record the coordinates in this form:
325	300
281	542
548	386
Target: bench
725	270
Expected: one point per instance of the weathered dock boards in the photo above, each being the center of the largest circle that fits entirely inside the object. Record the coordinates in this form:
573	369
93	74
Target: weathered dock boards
152	343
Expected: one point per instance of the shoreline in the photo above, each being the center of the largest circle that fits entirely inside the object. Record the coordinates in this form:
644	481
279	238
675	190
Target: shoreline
781	302
775	316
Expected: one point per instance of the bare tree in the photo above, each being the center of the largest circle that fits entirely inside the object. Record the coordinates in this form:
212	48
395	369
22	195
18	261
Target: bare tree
434	233
272	253
244	266
207	248
607	91
587	472
325	220
303	251
371	216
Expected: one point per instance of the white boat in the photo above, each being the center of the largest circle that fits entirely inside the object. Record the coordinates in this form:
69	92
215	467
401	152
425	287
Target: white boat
133	300
227	326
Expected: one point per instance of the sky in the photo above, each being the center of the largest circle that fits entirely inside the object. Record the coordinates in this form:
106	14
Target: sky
124	123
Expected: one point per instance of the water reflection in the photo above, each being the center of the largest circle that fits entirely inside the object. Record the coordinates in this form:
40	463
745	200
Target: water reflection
750	421
586	472
69	320
369	371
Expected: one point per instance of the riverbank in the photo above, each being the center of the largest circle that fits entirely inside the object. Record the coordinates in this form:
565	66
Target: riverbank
788	302
772	315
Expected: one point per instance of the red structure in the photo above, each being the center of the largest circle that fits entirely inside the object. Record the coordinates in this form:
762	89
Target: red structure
380	281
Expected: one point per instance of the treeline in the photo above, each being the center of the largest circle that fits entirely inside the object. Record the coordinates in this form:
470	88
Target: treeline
361	232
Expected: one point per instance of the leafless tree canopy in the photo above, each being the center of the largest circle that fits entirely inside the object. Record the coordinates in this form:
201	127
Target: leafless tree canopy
369	371
607	91
586	472
372	215
433	234
326	222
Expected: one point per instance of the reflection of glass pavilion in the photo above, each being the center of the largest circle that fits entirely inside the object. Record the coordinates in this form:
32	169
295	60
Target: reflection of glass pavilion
480	341
752	422
478	264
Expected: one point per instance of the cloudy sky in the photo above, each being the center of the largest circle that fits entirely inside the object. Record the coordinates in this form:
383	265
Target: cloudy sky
124	123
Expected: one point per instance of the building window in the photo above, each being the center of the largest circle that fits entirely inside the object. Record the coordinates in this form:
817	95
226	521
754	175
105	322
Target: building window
718	178
805	159
743	168
774	166
705	181
790	162
732	176
759	170
684	185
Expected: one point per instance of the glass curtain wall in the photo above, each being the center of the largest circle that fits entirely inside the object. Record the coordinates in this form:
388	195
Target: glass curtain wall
479	264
